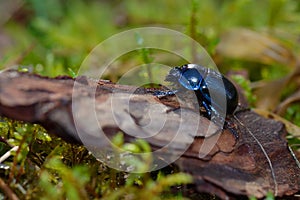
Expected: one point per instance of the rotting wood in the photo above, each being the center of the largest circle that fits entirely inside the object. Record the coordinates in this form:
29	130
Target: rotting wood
235	166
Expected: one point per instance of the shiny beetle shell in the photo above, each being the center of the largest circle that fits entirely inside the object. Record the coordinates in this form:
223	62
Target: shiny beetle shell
198	78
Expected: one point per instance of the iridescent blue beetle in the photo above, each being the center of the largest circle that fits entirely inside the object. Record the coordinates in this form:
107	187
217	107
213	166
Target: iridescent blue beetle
206	82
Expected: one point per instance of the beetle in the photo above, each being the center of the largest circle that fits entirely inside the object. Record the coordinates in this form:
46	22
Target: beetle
209	86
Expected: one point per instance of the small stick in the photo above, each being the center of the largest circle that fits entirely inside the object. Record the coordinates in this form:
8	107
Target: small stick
7	154
6	189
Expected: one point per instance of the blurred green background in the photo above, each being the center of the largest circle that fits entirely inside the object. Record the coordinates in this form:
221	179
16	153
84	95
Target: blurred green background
257	39
52	36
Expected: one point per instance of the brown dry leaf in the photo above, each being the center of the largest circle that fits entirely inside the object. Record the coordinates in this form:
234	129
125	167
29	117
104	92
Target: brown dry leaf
269	93
281	109
249	45
253	46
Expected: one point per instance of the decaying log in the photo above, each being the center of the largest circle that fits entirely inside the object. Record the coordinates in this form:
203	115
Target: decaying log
253	160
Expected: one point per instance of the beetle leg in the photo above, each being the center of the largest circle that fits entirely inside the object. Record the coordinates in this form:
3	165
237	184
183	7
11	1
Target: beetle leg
207	108
216	117
160	94
232	128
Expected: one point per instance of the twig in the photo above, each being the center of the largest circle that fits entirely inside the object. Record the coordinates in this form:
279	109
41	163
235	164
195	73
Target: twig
7	154
6	189
294	156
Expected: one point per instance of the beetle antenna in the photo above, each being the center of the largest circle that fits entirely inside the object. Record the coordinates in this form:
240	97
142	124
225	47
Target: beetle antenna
264	152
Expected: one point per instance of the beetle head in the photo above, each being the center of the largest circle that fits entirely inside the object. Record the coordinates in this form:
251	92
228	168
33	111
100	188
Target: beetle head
188	76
